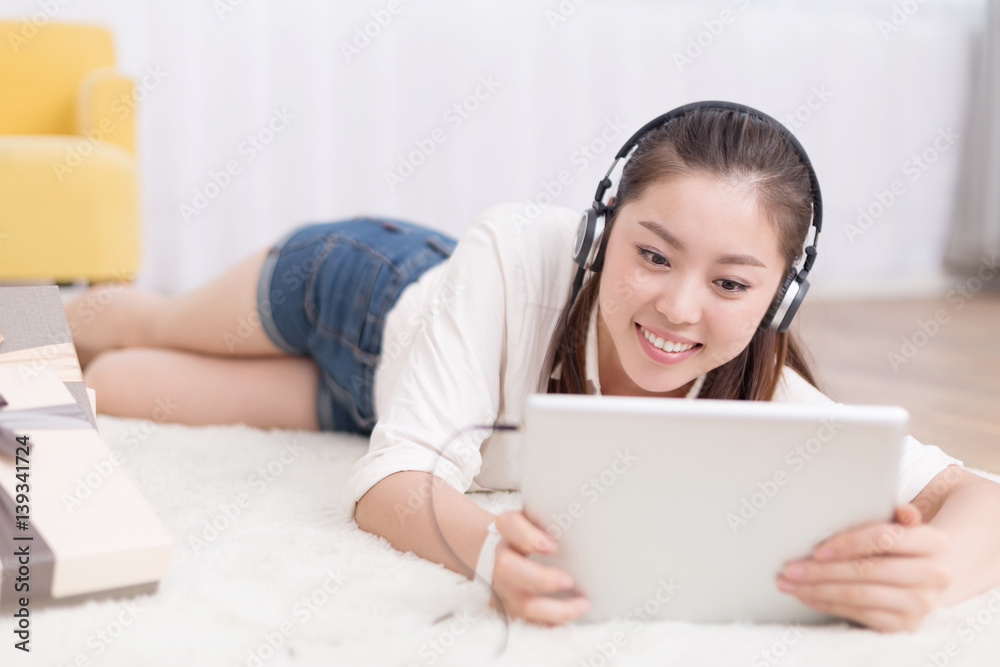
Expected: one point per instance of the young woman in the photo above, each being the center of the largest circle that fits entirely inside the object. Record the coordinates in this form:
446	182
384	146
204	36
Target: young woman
384	327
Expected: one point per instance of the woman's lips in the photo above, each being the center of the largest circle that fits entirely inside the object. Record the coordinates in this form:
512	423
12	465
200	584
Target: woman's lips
662	356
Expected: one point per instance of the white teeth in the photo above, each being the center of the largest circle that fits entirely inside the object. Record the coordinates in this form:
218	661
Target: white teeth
665	345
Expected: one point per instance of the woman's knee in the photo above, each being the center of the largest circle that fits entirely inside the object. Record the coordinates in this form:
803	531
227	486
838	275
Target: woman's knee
112	376
102	369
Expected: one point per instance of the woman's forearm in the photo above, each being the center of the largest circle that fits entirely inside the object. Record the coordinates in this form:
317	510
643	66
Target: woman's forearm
971	515
399	509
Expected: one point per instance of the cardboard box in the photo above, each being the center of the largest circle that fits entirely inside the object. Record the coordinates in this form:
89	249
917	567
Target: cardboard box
107	541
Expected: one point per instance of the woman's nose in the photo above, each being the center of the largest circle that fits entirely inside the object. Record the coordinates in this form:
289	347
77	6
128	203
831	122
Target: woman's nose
680	302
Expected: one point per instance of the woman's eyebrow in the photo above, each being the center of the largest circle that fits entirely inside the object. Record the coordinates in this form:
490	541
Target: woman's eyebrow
745	260
662	233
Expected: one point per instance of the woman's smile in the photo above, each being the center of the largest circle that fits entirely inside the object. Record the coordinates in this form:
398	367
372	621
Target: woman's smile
663	350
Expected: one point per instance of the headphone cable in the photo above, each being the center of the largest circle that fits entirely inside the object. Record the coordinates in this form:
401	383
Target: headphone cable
447	545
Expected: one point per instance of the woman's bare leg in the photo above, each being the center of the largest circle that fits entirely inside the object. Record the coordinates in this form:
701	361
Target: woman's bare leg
218	318
195	389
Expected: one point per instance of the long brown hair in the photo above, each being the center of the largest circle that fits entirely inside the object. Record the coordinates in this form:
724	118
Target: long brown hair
745	151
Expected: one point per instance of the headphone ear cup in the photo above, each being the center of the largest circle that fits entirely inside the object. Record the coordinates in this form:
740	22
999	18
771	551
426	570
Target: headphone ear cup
794	301
584	241
779	300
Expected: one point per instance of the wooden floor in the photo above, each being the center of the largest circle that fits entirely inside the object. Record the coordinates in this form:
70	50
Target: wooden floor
947	376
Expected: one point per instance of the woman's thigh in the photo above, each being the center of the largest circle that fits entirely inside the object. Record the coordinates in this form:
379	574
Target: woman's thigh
195	389
221	317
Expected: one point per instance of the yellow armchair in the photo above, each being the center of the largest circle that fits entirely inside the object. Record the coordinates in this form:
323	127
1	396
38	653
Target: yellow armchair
69	196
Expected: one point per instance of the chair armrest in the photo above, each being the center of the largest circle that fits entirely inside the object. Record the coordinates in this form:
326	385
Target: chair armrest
105	107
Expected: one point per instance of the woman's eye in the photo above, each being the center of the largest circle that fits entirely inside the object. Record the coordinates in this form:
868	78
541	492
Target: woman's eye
653	257
731	286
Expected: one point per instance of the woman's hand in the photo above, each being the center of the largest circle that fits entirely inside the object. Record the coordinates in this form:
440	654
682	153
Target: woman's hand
887	576
524	585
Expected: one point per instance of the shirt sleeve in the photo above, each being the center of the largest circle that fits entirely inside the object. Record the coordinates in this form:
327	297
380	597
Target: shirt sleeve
919	463
451	376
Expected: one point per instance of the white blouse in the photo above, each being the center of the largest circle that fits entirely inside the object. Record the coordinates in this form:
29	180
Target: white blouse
467	342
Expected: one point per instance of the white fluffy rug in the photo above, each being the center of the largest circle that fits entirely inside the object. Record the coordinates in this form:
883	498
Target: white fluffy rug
291	582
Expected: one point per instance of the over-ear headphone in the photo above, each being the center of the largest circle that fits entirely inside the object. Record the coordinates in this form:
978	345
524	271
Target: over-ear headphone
588	254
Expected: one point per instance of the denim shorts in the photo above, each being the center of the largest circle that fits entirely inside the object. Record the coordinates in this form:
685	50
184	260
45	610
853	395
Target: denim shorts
325	290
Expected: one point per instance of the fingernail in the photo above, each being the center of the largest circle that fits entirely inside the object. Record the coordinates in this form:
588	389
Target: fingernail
546	545
583	606
566	581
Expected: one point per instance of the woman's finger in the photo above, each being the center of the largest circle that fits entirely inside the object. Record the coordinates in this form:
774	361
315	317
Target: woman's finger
523	535
538	609
516	571
905	601
553	611
879	539
901	571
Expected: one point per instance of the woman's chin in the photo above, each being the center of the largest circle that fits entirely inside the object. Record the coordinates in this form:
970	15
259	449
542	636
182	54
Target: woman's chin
659	386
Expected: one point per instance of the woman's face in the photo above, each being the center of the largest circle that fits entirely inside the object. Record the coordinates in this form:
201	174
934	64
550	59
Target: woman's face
693	265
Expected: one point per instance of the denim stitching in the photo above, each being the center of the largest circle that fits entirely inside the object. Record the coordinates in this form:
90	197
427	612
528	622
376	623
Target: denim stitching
320	326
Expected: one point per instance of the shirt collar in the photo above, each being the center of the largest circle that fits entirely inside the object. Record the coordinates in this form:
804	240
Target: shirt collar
592	379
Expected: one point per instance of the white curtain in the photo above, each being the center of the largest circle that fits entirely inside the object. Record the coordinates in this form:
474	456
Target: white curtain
496	100
975	235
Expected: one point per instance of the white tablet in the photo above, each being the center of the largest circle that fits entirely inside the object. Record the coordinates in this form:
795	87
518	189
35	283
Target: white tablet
688	510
